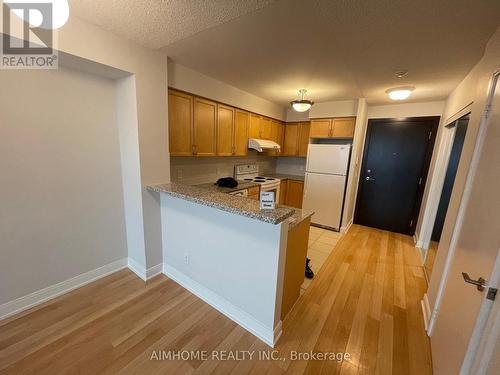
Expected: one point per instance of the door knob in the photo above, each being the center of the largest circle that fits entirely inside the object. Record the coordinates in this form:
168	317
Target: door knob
479	283
369	178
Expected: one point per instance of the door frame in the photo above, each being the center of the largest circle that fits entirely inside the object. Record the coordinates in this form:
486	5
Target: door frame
427	161
481	134
436	182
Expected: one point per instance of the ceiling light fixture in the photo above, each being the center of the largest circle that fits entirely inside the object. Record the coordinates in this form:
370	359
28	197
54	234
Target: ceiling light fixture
400	93
301	105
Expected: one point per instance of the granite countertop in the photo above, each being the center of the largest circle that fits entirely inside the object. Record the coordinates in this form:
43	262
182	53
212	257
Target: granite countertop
298	216
287	176
225	202
213	187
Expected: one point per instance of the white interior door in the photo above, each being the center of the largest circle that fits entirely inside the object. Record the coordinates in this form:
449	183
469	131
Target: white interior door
330	159
456	323
324	194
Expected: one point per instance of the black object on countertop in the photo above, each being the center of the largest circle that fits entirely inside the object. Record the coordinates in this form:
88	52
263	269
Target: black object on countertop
228	182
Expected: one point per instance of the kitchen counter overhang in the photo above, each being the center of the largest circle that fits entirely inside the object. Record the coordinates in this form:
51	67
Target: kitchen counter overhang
225	202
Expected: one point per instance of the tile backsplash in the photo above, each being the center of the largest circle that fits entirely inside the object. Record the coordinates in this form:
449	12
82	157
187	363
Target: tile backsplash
199	170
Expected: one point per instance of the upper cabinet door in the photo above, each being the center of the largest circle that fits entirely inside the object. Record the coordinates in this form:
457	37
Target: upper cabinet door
225	130
276	135
320	128
343	127
265	128
180	123
205	123
241	122
304	130
291	143
254	126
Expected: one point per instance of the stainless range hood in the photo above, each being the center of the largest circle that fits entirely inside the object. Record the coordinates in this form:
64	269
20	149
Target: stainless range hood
262	144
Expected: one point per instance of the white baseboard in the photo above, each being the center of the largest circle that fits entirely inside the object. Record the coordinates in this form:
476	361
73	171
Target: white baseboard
43	295
269	335
137	268
426	311
346	228
142	272
154	271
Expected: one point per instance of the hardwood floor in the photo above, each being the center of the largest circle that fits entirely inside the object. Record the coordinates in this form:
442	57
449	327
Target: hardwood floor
365	301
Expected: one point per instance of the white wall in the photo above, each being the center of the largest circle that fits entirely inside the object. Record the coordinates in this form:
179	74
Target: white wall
472	89
150	72
183	78
406	110
294	116
235	263
339	108
90	48
62	210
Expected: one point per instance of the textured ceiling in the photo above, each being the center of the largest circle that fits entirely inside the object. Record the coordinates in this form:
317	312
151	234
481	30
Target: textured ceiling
336	49
157	23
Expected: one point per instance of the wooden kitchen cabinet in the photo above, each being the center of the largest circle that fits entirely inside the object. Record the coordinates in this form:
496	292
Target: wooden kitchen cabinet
277	133
294	193
320	128
205	124
342	127
254	129
225	130
265	128
291	141
180	123
295	262
283	189
254	192
260	127
296	139
304	131
241	121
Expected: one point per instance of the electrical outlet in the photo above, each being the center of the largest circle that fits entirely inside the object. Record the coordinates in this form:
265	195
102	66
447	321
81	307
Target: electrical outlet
186	259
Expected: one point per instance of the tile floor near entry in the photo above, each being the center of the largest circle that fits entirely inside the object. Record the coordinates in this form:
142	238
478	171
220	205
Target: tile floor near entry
321	244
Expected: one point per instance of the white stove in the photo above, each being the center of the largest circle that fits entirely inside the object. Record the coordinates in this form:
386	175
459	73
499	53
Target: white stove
250	173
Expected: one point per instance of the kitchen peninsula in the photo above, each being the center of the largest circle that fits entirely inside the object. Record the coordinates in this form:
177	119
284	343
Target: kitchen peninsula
246	262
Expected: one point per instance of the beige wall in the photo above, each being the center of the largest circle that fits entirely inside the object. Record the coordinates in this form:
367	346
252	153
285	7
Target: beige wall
339	108
62	208
183	78
406	110
149	68
91	48
197	170
291	165
473	88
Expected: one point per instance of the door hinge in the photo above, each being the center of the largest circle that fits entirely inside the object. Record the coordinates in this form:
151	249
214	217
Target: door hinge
430	135
411	223
492	293
420	181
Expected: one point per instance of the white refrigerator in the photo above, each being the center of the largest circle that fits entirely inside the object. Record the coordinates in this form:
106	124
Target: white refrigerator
326	174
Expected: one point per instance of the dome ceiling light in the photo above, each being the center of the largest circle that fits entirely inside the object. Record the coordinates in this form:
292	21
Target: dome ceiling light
301	105
400	93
